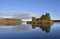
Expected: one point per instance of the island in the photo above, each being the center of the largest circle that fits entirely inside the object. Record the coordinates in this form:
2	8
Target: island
10	21
44	20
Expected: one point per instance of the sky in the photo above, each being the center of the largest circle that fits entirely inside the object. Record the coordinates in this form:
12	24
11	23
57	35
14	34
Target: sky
25	9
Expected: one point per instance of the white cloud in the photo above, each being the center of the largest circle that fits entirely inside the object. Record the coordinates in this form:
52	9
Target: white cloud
20	15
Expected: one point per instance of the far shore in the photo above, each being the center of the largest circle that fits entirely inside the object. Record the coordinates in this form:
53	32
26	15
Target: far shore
10	21
56	20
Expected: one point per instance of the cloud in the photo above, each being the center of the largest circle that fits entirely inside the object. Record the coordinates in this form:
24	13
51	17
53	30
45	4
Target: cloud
20	15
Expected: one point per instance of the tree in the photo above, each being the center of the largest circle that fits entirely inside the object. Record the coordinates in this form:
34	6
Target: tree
33	18
47	16
42	17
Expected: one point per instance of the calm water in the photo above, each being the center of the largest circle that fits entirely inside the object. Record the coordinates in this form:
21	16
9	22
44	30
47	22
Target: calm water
27	31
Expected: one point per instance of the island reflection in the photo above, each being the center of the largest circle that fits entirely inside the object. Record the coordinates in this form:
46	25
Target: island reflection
44	22
44	27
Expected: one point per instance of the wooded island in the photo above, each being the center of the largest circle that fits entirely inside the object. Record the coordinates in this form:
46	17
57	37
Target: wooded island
43	20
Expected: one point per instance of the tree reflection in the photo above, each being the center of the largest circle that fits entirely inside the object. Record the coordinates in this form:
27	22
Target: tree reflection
45	28
44	22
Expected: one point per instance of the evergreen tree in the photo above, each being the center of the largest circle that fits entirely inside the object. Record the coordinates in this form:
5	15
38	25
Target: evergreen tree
33	18
42	17
47	16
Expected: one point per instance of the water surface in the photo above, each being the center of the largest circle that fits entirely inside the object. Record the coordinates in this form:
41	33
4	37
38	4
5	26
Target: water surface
27	31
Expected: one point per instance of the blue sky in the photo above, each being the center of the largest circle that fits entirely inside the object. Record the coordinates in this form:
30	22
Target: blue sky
34	7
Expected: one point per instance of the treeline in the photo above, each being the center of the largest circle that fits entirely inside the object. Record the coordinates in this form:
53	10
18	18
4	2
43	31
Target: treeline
56	20
44	17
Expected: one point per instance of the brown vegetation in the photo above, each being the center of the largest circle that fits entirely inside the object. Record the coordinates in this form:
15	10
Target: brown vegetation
10	21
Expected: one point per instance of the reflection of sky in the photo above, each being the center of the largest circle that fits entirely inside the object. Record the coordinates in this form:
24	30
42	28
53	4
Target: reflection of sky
32	34
22	27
